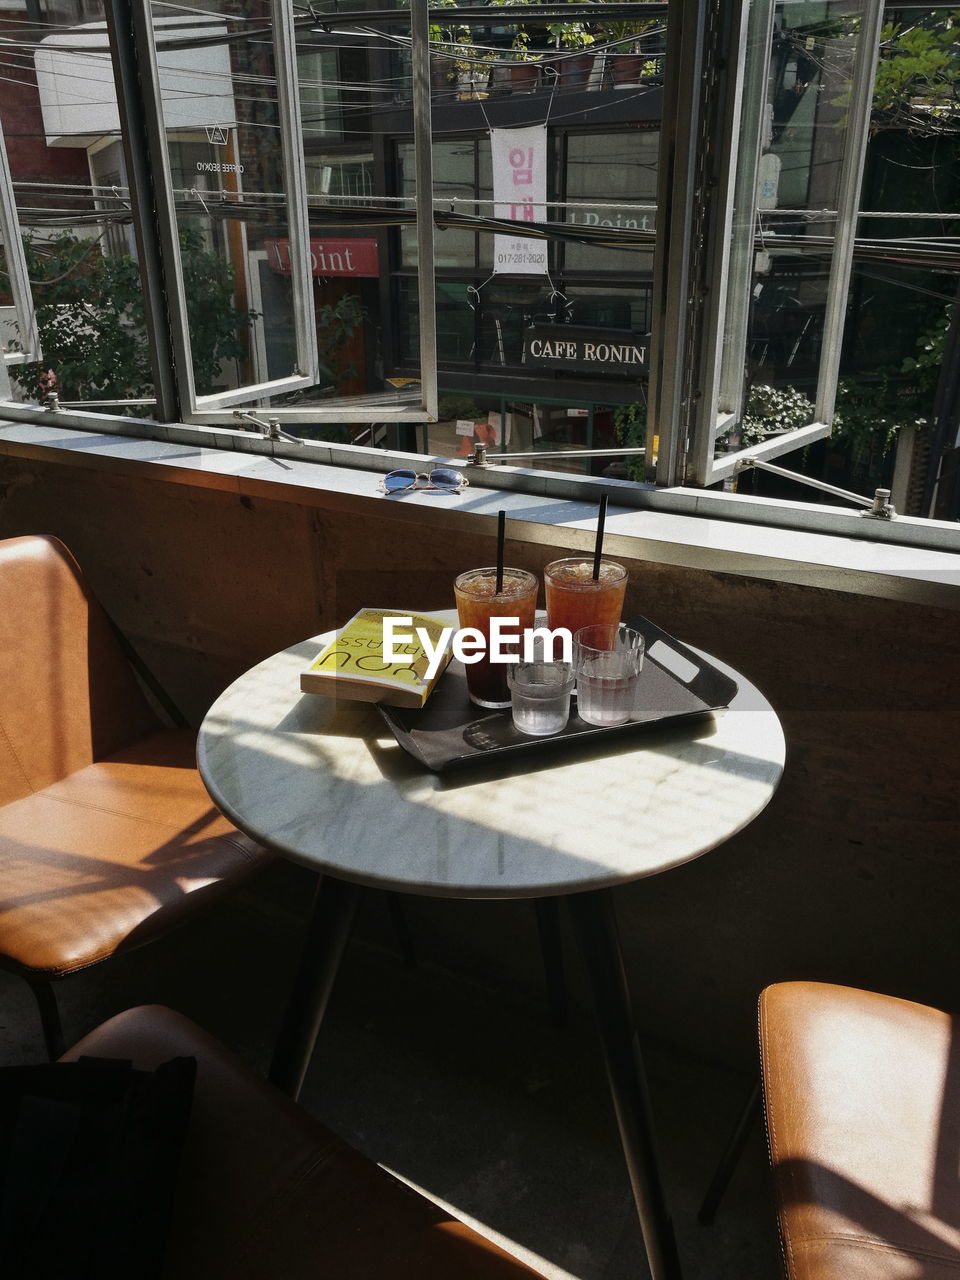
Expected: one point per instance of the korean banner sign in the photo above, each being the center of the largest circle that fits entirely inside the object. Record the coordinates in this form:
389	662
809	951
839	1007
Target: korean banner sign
519	193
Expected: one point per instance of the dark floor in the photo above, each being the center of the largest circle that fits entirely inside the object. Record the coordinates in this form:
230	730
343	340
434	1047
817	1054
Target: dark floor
467	1092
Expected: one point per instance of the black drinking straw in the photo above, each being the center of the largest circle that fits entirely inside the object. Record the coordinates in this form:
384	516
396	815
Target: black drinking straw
501	533
599	546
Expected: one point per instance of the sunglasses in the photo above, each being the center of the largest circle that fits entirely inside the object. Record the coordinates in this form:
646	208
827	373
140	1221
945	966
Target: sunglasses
440	480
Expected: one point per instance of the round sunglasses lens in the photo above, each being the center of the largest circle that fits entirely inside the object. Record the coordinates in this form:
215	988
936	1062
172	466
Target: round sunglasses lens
399	480
445	478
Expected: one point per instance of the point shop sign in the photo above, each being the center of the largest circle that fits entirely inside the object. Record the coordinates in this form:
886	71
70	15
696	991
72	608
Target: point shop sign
328	257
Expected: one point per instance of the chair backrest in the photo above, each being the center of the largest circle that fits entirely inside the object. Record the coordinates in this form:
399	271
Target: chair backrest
67	693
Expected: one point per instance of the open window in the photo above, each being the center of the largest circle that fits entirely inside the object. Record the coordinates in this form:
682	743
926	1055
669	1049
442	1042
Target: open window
223	112
303	254
789	144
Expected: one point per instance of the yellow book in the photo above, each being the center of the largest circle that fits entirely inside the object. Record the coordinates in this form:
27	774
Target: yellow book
352	665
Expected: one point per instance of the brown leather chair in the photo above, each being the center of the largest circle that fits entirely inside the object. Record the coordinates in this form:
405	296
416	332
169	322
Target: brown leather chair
266	1191
862	1100
107	835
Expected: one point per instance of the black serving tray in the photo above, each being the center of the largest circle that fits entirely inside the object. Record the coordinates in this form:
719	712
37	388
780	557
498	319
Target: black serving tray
449	731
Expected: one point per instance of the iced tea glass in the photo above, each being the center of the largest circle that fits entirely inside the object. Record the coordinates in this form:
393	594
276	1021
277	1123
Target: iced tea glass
477	602
576	599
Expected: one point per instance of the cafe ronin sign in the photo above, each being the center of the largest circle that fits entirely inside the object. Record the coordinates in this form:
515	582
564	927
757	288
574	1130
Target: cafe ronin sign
571	349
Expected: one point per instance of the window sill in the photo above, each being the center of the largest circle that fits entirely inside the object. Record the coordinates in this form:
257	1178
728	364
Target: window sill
685	528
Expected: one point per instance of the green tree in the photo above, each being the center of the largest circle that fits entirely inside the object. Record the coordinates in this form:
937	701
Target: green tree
872	410
918	73
90	314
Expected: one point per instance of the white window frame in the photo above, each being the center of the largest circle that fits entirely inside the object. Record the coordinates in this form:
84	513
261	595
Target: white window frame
17	272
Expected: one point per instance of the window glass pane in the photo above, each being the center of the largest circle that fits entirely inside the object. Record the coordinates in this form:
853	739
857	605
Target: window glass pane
801	153
807	75
465	416
320	98
220	111
485	205
350	175
611	181
609	308
456	322
73	200
454	186
507	302
353	214
557	433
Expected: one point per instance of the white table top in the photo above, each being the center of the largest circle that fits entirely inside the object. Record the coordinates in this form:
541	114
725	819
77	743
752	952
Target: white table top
326	784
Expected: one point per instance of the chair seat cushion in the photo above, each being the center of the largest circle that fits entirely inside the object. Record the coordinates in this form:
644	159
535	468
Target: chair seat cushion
112	855
266	1191
862	1098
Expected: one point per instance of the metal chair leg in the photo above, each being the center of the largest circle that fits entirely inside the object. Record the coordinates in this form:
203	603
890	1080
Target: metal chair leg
730	1159
49	1015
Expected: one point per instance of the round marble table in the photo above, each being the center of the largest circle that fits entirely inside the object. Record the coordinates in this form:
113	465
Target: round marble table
326	784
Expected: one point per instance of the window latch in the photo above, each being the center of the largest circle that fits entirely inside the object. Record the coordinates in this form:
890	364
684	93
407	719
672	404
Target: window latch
269	428
479	456
879	507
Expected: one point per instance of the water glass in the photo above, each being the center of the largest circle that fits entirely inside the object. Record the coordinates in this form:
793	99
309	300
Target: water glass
540	696
607	660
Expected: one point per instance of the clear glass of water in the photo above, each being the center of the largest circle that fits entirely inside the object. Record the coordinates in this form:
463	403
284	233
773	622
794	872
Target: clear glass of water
607	661
540	696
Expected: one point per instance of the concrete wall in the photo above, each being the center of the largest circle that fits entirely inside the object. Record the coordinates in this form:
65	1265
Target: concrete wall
849	875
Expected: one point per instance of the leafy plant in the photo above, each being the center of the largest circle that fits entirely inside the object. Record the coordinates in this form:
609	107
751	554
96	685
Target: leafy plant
917	75
916	84
569	35
630	428
445	32
336	325
770	410
626	33
868	415
565	35
870	412
925	366
474	62
90	315
217	324
453	406
521	36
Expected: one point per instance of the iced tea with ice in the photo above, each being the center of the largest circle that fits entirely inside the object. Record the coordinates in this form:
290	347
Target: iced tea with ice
477	602
576	599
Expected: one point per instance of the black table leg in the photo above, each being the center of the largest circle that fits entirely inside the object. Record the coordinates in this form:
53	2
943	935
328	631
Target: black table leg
596	930
334	908
551	948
